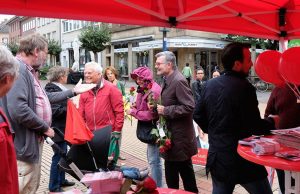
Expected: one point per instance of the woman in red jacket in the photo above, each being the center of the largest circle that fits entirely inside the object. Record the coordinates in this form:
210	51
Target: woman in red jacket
8	73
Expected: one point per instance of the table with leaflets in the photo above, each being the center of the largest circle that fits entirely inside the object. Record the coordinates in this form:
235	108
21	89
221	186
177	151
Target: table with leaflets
291	168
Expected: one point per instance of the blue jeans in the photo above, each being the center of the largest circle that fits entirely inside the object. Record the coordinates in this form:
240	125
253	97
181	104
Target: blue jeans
131	172
155	164
57	177
256	187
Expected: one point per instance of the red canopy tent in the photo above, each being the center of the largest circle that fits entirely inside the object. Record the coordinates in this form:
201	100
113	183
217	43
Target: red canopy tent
273	19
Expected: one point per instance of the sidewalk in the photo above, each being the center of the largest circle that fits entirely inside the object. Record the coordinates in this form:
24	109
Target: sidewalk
135	153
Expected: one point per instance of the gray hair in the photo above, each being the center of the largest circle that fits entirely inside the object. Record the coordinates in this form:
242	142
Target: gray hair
55	73
96	66
169	58
8	63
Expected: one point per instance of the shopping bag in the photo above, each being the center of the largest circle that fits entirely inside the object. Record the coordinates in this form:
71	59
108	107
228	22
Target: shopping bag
114	148
76	131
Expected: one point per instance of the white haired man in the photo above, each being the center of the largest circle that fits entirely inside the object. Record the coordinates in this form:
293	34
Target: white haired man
103	105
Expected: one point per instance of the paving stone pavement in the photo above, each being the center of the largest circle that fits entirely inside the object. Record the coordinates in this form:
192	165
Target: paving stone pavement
135	153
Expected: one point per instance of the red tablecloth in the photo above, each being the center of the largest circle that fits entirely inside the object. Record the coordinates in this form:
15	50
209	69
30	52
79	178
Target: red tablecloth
168	191
271	160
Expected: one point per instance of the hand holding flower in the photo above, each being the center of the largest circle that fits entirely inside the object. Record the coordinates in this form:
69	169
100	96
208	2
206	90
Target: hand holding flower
160	109
128	111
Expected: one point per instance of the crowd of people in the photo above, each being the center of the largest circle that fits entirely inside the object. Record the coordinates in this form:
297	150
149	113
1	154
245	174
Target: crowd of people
225	107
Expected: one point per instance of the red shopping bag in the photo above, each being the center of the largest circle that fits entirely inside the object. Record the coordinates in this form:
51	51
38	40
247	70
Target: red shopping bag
76	131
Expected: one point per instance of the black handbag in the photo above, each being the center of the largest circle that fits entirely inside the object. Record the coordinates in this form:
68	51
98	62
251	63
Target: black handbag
143	131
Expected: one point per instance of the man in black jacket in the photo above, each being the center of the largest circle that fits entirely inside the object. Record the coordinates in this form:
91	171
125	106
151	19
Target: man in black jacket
228	111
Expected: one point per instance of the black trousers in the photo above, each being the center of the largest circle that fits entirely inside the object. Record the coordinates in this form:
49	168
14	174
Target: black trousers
183	168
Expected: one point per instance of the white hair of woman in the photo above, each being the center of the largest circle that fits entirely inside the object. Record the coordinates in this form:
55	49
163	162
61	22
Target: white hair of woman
8	63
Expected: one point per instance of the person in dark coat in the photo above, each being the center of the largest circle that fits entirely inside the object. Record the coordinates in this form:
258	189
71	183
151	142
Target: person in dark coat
58	76
177	108
228	111
283	102
197	85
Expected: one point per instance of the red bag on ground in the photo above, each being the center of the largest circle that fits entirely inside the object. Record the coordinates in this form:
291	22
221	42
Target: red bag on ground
76	131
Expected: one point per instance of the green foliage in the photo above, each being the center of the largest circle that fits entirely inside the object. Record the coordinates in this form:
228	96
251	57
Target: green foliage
43	72
260	43
13	47
95	38
54	48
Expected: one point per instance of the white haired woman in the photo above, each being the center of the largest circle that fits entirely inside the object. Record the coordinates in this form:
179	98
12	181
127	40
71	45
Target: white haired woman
58	76
9	69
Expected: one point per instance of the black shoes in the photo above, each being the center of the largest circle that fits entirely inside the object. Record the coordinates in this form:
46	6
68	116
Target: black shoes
67	183
57	190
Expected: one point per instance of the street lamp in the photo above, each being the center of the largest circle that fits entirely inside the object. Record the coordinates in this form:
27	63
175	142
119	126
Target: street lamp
164	31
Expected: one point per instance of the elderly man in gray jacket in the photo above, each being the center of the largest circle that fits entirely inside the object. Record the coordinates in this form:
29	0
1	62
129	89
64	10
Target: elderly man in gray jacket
177	107
28	109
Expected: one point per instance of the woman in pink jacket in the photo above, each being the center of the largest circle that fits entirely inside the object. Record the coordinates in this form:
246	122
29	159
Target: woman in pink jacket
146	86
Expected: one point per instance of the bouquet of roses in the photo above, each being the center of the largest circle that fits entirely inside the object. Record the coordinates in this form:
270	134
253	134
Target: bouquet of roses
162	134
128	102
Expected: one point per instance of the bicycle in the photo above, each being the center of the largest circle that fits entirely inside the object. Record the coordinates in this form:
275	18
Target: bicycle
259	84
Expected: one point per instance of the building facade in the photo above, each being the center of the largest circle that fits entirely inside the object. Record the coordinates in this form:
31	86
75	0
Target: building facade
136	46
4	33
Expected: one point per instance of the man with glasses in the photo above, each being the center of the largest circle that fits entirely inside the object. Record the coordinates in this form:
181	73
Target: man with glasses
28	109
197	85
177	108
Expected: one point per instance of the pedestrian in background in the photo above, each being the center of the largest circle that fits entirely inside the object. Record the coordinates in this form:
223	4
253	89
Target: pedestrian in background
9	70
228	111
198	84
58	77
177	108
216	73
111	75
187	73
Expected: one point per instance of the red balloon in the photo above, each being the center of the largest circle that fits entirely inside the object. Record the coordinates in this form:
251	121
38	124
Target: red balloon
266	67
289	66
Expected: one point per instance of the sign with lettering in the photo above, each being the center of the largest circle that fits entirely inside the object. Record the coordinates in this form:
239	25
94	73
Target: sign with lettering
200	157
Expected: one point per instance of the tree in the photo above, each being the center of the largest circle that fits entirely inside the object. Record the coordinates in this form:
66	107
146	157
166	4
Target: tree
53	50
95	38
257	42
13	47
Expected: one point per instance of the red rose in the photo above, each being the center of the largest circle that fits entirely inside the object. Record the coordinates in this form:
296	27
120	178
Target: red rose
168	143
162	149
132	89
149	184
149	86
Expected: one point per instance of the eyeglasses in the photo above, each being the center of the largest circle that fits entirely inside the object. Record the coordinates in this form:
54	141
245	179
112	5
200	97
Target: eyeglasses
158	63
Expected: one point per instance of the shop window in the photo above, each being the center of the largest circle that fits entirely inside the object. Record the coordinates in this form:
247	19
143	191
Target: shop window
142	59
121	63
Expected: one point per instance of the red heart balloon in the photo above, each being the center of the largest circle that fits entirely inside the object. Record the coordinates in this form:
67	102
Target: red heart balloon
266	67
